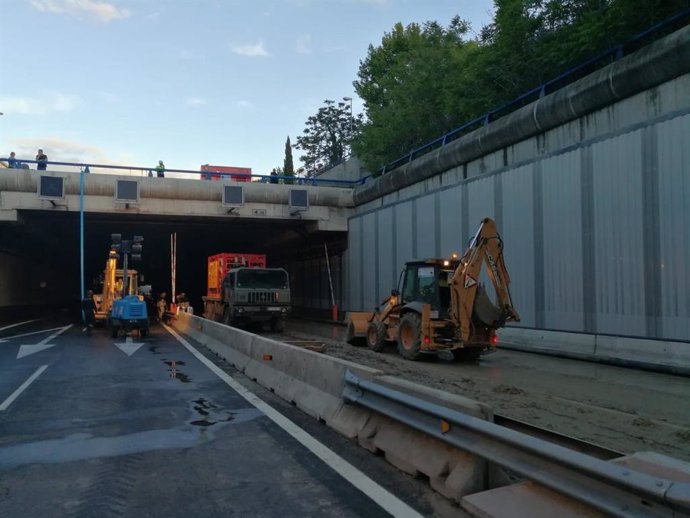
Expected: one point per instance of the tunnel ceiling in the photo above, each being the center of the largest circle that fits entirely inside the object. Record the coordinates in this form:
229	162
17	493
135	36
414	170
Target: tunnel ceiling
54	236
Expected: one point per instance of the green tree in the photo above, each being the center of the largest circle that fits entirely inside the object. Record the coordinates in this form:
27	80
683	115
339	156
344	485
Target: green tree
327	136
288	166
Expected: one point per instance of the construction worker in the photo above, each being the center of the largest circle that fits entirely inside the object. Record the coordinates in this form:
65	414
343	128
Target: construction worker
88	308
162	306
160	169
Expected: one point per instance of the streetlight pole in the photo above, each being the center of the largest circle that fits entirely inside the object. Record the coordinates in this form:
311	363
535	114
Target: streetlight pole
351	116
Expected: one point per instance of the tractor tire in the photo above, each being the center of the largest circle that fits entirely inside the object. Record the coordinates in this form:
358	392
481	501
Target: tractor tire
376	336
467	355
409	336
277	325
143	333
114	330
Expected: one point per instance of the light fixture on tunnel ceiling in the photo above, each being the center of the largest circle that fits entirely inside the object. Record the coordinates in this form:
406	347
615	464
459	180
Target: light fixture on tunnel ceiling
233	197
127	191
298	201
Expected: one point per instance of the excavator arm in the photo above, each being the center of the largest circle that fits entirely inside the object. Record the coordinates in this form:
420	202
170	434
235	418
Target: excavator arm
468	300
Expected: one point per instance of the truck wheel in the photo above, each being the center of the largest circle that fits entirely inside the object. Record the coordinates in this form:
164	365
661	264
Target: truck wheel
467	355
409	336
143	332
376	336
277	325
114	331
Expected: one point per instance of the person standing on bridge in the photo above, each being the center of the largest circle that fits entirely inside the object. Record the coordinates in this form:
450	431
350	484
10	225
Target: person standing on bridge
160	169
41	160
12	161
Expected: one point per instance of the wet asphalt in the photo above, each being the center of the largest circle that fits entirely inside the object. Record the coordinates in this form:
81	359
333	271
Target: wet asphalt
145	429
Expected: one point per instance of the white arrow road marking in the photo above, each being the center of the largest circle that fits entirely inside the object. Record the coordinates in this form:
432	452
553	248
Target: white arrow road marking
18	324
129	347
22	388
26	350
8	338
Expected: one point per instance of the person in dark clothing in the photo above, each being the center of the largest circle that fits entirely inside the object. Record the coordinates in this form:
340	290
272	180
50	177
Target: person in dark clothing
12	161
42	160
88	308
274	176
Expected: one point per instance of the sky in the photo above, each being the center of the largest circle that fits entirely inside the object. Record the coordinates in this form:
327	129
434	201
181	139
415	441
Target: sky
189	82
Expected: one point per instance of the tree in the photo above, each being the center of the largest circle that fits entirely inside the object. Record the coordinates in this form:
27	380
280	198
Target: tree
288	166
327	136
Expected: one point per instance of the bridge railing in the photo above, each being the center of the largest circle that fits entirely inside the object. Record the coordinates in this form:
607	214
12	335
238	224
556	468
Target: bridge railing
126	170
569	76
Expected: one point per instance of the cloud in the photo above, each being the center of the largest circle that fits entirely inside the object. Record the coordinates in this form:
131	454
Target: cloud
41	105
245	104
250	50
62	150
195	101
102	11
304	44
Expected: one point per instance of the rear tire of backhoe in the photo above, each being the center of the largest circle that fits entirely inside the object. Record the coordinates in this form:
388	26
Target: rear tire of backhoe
409	336
350	337
376	336
227	317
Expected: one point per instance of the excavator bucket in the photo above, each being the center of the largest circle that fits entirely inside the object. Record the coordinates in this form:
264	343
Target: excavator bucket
357	324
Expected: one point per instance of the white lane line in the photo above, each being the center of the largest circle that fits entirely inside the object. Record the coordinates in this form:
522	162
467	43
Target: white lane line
18	324
6	338
22	388
386	500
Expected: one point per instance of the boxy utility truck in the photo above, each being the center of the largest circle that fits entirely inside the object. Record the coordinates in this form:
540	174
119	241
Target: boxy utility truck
242	291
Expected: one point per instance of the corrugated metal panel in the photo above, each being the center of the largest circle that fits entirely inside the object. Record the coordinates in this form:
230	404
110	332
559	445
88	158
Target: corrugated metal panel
354	264
387	277
451	222
481	205
517	231
368	269
674	206
403	233
618	237
426	227
562	240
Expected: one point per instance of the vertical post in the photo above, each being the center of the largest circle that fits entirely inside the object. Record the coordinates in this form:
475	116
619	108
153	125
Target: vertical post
125	276
81	239
334	307
173	264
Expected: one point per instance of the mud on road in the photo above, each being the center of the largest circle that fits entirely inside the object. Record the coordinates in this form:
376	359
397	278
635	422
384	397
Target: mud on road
623	409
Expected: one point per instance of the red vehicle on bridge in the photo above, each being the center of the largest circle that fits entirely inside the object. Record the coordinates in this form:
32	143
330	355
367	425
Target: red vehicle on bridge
220	172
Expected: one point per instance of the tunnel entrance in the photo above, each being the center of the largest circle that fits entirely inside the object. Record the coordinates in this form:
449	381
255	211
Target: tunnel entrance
53	238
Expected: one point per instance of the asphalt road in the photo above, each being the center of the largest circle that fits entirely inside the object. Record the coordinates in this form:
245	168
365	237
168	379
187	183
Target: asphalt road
95	426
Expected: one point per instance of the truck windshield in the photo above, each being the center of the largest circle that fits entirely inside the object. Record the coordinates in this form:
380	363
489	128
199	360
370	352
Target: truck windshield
262	279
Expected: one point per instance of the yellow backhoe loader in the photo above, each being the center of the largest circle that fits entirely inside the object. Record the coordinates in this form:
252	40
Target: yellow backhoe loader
442	305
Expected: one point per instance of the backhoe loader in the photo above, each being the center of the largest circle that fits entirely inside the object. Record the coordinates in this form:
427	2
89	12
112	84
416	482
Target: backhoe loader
442	305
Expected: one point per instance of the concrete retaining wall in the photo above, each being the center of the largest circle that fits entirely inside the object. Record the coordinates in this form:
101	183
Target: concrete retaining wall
656	355
313	382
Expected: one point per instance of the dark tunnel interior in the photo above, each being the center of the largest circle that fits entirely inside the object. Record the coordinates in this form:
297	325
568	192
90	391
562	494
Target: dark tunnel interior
55	236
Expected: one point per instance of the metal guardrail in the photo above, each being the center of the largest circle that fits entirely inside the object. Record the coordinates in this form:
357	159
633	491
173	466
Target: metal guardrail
203	175
608	487
569	76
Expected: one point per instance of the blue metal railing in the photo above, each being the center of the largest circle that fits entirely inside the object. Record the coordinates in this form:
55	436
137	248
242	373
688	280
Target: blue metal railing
203	175
569	76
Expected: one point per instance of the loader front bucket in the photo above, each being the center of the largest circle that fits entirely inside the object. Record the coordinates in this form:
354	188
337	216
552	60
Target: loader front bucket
357	324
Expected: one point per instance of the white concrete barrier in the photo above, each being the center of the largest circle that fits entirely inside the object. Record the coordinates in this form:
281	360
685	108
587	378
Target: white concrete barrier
314	383
657	355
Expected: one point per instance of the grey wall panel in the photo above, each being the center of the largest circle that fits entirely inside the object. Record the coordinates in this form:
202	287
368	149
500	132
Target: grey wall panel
387	277
674	207
562	235
426	227
450	224
618	238
368	269
354	264
481	205
403	234
517	232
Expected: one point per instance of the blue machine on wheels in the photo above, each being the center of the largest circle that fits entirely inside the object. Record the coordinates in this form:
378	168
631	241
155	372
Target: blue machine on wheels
129	312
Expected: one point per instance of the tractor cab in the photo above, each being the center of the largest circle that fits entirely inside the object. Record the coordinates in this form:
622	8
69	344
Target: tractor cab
428	282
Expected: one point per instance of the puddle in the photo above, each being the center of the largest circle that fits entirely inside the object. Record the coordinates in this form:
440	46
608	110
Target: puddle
210	414
154	349
174	372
